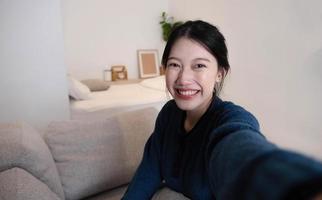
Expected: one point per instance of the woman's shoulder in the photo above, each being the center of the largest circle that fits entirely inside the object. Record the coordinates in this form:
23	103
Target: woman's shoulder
229	112
227	106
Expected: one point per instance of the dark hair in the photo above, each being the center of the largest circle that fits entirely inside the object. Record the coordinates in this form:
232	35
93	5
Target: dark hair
208	36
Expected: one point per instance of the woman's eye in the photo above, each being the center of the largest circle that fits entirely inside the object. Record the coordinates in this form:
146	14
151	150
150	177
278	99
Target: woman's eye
198	66
173	65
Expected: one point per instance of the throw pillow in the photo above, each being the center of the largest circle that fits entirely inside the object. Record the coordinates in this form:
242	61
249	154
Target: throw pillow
78	90
156	83
95	84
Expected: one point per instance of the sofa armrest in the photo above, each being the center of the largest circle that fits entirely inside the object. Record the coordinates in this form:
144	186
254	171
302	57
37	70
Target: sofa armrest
16	183
22	147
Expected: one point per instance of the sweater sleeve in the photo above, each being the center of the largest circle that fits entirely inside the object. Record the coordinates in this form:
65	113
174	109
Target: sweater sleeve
242	164
147	178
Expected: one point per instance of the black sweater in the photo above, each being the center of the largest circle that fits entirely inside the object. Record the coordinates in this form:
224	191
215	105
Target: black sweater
224	157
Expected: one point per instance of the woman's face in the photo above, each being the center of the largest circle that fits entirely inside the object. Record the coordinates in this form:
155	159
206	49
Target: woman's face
191	74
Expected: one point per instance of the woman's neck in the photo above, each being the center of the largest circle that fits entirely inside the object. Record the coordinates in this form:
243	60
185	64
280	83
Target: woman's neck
193	116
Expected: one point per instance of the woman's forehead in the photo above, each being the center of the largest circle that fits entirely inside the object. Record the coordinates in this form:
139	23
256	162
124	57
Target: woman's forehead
185	48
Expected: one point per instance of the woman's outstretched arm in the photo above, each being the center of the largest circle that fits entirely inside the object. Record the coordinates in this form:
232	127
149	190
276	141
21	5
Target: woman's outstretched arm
244	165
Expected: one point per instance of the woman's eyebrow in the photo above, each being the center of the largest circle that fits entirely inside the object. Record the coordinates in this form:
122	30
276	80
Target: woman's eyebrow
175	58
204	59
195	59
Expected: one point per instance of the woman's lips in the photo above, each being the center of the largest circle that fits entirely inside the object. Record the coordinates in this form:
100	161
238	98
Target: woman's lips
186	93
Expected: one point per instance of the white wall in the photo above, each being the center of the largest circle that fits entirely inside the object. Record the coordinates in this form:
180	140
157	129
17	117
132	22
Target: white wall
276	59
101	33
32	72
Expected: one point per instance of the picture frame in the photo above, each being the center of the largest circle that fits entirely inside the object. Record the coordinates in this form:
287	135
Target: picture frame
148	63
119	72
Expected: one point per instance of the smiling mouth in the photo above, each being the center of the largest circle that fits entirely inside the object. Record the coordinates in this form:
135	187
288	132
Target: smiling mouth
186	93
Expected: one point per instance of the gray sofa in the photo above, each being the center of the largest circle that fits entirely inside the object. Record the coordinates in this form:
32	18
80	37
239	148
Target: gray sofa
93	159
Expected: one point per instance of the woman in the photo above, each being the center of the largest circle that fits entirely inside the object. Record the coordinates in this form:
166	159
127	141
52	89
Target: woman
206	148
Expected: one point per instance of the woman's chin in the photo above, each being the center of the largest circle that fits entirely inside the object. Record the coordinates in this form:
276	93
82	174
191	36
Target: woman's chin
185	105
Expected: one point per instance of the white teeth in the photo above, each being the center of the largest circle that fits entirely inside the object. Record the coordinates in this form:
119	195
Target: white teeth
187	92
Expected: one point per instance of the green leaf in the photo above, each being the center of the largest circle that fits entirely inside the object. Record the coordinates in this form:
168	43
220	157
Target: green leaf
167	26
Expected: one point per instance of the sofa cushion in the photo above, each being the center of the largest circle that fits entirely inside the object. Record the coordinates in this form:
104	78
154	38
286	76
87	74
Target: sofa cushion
21	146
116	194
166	193
18	184
94	156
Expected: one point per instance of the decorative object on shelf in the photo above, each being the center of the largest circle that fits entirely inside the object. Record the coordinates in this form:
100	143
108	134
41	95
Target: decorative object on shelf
148	63
167	25
107	75
119	72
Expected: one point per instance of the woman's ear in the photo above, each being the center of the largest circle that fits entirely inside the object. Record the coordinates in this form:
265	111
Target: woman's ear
218	78
220	75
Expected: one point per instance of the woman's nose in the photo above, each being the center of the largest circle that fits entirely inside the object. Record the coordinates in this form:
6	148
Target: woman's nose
185	76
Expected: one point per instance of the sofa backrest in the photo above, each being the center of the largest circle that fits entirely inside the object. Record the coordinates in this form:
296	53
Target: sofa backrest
94	156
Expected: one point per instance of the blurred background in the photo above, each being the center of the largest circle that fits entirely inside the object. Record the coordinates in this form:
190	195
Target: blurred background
275	52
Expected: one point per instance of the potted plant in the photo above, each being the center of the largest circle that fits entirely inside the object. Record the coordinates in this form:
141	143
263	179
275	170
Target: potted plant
167	25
